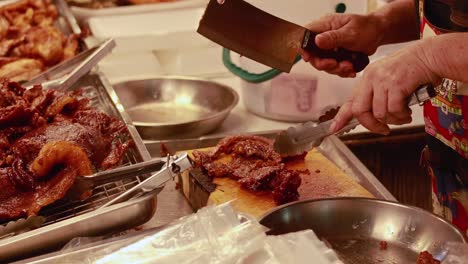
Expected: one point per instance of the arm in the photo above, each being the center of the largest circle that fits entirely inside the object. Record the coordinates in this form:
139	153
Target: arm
447	55
398	22
380	97
395	22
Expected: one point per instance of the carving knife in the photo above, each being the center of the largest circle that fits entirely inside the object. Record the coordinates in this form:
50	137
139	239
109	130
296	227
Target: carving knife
253	33
302	138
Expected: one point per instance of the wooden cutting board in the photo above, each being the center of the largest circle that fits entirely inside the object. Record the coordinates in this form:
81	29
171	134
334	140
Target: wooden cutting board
325	180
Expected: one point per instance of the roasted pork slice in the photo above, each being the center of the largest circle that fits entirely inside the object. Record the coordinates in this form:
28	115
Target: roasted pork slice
95	145
252	161
26	190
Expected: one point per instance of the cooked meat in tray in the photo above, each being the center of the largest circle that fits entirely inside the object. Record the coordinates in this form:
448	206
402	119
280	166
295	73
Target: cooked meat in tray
47	138
31	40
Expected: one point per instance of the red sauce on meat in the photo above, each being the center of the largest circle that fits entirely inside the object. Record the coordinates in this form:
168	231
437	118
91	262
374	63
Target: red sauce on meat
255	165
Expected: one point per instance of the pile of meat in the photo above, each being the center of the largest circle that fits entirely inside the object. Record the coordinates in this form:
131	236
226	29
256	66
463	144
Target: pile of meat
254	164
29	41
96	4
47	139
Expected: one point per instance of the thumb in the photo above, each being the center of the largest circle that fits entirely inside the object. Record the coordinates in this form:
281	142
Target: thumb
332	39
343	116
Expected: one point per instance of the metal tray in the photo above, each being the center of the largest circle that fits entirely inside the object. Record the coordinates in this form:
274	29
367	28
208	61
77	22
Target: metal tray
332	148
354	227
68	219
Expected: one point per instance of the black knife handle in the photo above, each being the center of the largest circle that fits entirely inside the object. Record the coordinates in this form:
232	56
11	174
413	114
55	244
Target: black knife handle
358	59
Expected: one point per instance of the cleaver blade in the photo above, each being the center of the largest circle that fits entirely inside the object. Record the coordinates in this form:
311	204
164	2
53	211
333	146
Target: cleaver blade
267	39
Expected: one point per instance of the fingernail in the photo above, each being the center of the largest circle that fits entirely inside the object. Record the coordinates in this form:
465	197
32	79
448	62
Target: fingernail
332	127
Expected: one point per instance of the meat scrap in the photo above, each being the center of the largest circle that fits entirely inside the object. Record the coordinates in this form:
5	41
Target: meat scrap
383	245
254	164
426	258
47	139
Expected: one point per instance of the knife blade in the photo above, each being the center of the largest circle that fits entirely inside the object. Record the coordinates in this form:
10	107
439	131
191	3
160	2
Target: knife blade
302	138
260	36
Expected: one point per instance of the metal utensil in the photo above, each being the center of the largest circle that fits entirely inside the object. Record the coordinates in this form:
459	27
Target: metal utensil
73	69
299	139
175	107
103	177
354	227
253	33
174	166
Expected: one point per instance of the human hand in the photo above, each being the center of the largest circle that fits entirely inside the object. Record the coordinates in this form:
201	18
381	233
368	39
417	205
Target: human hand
349	31
381	95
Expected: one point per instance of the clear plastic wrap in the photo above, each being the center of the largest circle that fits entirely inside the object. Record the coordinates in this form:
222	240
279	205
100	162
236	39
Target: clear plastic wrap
215	234
457	253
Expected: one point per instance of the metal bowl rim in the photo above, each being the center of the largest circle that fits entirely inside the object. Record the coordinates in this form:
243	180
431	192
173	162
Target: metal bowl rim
372	200
215	115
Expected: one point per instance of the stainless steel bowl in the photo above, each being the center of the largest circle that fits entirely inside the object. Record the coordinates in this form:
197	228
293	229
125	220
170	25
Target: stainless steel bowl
176	107
354	227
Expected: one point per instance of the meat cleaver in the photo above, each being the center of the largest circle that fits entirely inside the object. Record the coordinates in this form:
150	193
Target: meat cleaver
253	33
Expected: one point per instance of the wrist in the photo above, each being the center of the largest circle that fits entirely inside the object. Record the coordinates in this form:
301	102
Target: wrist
381	24
429	63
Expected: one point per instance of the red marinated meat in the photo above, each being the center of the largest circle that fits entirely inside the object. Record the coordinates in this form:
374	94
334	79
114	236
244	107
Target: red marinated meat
255	165
47	139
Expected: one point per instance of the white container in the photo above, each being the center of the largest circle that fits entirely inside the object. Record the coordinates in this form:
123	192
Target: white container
304	94
82	14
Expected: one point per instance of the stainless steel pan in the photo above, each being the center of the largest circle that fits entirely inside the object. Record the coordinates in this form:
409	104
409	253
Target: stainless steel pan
175	107
354	227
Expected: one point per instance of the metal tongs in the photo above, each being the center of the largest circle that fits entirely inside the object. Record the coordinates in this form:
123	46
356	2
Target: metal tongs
299	139
67	73
168	167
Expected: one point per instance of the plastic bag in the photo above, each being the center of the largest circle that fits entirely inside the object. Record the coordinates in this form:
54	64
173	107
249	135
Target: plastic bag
213	235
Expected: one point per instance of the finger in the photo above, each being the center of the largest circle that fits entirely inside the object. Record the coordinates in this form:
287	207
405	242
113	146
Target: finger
350	74
362	109
323	64
344	68
330	39
397	104
343	116
379	104
403	118
322	24
393	120
368	120
306	56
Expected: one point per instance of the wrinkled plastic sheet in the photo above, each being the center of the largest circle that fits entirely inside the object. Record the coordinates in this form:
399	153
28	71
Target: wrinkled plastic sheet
215	234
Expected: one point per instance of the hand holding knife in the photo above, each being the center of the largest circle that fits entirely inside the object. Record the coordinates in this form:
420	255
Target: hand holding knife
253	33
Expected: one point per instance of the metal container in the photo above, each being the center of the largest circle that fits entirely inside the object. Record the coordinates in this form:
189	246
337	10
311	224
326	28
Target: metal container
175	107
66	219
354	227
331	147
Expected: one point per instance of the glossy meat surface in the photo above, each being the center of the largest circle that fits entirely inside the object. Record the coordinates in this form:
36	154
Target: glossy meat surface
254	164
47	139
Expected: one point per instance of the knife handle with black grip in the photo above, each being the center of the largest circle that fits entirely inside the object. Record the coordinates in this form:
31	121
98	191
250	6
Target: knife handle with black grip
358	59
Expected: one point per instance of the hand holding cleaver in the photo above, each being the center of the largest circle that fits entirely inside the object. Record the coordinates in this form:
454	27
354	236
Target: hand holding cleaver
253	33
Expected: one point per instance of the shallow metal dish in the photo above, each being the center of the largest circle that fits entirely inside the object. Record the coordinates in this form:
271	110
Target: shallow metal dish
355	226
176	107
